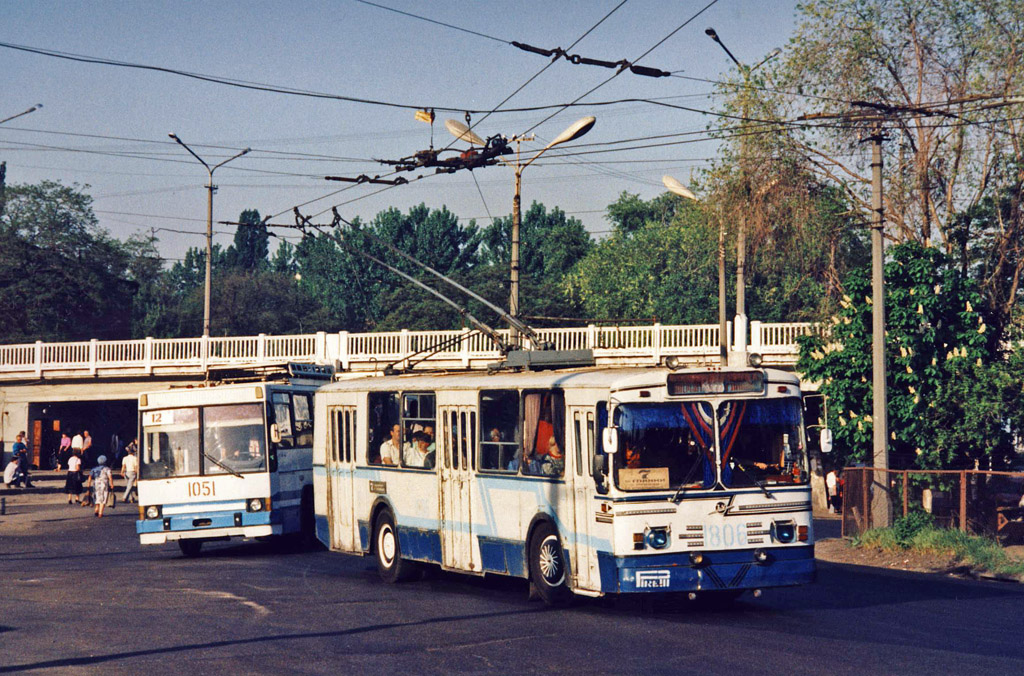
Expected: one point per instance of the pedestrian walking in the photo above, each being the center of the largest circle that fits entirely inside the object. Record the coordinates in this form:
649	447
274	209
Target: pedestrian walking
73	482
130	472
101	480
831	486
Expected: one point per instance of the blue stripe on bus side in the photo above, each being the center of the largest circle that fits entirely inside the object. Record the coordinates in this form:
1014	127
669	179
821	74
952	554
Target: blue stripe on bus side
420	544
323	530
498	555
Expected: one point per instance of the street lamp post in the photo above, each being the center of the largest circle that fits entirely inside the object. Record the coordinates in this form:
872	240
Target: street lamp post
211	188
740	325
24	112
678	188
464	133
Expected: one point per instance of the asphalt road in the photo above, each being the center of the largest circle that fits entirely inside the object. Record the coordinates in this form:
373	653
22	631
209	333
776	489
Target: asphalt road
81	596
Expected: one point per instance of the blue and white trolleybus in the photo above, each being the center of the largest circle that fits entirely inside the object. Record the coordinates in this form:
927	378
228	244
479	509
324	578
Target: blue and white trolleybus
586	481
227	460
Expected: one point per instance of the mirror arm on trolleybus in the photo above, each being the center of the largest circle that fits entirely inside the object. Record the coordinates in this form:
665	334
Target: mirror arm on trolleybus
224	467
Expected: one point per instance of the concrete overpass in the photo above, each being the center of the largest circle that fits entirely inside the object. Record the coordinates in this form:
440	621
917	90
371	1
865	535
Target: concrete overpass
49	387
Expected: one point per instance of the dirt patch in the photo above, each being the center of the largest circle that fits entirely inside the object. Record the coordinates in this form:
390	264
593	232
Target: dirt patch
837	550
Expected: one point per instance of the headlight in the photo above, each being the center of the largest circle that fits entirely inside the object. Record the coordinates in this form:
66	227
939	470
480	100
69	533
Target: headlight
658	538
784	531
153	512
255	505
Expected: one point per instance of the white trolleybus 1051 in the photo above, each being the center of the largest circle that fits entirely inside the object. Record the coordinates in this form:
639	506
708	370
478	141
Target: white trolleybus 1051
590	481
228	460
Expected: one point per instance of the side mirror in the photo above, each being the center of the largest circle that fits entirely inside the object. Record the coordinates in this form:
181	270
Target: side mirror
610	440
825	440
275	434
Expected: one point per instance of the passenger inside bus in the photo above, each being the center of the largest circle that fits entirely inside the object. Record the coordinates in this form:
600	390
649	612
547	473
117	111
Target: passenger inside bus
418	453
389	450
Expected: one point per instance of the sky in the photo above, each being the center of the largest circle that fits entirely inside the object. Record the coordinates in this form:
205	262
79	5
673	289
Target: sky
107	127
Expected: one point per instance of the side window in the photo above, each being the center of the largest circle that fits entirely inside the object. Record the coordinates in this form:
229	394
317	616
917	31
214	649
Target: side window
578	438
350	446
499	427
302	428
543	452
599	468
419	419
283	418
384	440
344	426
339	430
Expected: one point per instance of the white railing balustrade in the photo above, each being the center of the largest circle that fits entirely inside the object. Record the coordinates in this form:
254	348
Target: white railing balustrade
362	351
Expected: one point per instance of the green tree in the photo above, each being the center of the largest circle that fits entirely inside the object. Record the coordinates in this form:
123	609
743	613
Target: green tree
664	272
551	243
938	362
252	243
936	71
61	276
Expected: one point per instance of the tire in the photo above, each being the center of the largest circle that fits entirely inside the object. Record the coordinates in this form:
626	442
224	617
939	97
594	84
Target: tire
548	570
190	548
388	552
305	540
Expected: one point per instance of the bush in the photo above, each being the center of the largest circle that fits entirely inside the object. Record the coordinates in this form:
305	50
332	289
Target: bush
906	527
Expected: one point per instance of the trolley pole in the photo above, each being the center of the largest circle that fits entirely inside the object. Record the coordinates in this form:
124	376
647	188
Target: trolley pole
881	509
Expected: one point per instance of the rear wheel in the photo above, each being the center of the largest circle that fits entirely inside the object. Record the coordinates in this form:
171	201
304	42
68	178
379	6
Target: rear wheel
548	571
390	564
190	548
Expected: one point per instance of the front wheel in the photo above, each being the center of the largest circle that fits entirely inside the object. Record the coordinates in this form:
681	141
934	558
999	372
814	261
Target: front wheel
190	548
548	571
390	564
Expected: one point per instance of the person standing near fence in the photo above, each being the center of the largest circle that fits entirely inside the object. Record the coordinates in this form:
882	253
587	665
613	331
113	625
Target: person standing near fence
130	472
831	488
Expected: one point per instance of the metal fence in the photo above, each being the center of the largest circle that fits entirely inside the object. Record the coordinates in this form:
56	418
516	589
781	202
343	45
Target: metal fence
975	501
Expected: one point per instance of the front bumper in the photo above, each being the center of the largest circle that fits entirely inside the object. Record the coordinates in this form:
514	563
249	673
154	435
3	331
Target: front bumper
720	570
207	525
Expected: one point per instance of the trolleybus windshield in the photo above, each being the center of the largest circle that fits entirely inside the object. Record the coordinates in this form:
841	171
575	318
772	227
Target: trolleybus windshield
232	442
672	445
761	442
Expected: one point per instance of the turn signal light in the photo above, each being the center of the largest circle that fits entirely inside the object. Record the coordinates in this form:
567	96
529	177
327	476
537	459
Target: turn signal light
802	533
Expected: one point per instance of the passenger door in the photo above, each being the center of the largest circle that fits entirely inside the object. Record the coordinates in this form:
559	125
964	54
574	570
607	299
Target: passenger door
341	452
456	445
583	556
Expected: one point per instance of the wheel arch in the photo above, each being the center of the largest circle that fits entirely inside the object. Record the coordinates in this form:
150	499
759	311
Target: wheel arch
380	505
545	518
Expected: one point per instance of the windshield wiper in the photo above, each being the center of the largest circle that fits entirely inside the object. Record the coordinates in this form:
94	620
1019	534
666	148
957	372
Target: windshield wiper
764	489
682	487
218	463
